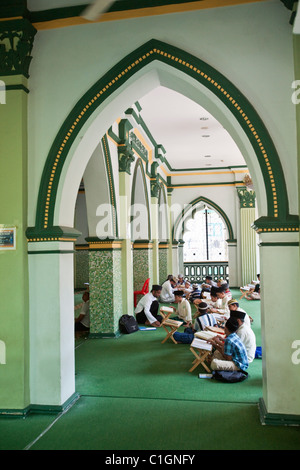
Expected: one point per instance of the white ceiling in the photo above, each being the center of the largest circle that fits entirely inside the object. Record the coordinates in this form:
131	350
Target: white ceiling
191	136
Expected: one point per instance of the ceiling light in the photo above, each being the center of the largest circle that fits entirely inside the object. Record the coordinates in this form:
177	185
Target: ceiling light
205	135
207	156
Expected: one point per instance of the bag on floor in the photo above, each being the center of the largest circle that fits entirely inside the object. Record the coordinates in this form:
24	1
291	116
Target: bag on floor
258	353
128	324
230	376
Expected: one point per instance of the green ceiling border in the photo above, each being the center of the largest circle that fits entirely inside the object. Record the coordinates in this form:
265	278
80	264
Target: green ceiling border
278	216
212	204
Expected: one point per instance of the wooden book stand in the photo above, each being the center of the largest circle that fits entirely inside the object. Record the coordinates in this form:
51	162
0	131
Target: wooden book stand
200	351
166	312
170	326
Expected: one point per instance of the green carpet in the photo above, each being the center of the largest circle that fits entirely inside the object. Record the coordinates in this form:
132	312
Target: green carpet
137	394
96	423
139	365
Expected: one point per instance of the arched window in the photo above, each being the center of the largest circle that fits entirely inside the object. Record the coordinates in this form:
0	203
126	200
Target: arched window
205	237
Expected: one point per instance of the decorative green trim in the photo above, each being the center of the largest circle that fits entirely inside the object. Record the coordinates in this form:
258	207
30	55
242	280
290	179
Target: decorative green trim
213	168
15	413
110	174
13	8
279	244
96	244
17	87
40	409
51	252
16	42
116	6
142	245
237	104
220	183
210	203
138	165
53	233
267	224
276	419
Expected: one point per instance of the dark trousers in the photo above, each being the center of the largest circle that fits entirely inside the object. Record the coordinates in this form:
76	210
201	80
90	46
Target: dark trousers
141	317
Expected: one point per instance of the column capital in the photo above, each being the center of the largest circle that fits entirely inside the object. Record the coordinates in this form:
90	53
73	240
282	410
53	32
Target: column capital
16	42
247	198
126	157
125	152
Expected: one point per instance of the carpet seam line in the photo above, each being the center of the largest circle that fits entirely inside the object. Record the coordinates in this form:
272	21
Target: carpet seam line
170	399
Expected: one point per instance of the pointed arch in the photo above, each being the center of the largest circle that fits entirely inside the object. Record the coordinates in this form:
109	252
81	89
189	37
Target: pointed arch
277	219
190	207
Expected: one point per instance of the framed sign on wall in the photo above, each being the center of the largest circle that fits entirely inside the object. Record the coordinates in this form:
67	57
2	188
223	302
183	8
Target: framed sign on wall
7	238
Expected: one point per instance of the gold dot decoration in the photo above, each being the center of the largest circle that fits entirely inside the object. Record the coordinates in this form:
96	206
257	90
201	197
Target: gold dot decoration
129	67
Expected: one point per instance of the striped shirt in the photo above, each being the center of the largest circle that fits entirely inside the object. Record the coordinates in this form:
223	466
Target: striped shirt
204	320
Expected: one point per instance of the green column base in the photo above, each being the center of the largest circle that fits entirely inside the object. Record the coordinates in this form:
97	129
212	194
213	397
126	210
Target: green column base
276	419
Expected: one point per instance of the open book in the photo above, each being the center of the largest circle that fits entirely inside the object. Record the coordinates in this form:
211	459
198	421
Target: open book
205	335
170	322
167	309
215	330
201	344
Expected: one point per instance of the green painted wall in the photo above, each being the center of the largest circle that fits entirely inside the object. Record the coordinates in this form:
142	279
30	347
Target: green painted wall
14	375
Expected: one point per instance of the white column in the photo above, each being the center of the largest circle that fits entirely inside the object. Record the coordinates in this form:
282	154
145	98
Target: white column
51	323
125	235
155	239
279	263
233	264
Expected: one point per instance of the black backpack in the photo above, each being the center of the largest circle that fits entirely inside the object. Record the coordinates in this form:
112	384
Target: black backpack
128	324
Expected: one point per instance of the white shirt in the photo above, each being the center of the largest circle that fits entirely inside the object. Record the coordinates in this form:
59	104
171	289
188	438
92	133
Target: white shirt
145	304
247	336
167	292
85	310
184	310
211	304
223	309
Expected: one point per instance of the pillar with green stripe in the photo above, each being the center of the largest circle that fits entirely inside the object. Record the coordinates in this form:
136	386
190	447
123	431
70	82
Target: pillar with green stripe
16	39
247	235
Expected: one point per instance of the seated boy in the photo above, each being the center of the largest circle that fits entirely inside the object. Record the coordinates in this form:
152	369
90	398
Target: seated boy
203	319
196	294
184	312
82	322
230	354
